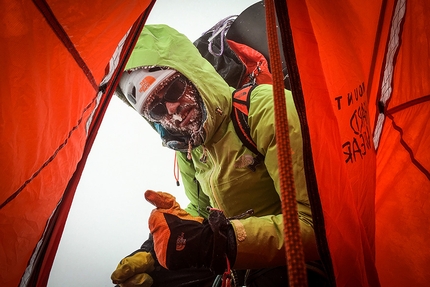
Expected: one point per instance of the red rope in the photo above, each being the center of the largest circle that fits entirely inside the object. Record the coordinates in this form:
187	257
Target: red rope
226	277
292	236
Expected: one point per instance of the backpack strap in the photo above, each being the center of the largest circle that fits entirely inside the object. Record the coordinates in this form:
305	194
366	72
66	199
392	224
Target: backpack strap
239	116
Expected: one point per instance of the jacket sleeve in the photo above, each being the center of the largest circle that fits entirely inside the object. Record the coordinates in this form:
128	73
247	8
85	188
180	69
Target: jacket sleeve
255	234
198	200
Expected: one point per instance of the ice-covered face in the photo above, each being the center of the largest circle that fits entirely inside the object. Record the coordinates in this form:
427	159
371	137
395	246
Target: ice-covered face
177	106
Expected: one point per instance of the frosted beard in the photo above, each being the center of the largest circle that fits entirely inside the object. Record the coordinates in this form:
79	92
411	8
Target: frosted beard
183	129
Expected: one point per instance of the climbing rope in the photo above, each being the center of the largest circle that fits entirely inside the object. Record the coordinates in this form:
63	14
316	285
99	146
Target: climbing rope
292	236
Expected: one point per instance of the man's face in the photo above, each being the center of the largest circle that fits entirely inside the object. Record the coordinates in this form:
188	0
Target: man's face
177	106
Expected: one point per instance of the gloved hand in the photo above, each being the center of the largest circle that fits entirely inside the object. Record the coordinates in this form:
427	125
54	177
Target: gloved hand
182	241
133	270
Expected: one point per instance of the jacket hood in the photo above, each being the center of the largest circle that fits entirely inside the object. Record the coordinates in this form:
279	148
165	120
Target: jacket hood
161	45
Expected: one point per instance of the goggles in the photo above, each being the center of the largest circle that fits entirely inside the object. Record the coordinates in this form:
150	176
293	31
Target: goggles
171	93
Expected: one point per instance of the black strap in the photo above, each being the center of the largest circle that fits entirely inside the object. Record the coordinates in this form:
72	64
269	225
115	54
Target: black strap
239	116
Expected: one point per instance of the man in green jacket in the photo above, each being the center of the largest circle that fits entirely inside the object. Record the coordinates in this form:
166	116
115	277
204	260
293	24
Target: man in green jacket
188	103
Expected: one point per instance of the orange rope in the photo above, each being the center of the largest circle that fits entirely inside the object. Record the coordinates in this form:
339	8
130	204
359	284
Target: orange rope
292	236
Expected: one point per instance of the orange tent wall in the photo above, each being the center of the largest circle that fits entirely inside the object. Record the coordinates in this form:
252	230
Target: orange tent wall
334	48
49	85
375	204
403	160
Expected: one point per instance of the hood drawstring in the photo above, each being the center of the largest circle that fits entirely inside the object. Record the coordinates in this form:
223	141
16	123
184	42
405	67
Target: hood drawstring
190	147
176	170
204	156
221	29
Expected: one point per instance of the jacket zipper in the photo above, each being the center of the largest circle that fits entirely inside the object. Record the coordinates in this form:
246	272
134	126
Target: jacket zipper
211	183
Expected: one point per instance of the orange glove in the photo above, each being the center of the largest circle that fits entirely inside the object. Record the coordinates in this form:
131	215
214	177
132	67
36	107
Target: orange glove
182	241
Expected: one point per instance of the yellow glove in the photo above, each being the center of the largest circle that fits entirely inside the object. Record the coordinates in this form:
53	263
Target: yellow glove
133	270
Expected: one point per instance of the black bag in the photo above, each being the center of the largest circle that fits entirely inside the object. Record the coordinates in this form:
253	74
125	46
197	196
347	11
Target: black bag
249	28
220	55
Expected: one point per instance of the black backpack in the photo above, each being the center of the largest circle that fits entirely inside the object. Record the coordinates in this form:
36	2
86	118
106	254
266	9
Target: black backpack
249	28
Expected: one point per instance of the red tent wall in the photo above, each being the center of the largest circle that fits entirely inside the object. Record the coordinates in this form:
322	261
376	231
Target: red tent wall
53	57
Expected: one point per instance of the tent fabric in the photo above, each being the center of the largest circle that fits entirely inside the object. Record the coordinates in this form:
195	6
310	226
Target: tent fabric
53	56
359	62
403	162
362	84
333	75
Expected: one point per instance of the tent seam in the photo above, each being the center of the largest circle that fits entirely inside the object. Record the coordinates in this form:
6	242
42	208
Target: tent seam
386	85
409	104
50	159
53	22
408	149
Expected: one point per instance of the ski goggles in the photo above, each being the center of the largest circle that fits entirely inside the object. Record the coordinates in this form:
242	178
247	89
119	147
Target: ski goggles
171	94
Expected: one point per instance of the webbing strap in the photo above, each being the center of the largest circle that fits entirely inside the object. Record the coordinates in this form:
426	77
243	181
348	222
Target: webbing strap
239	116
292	236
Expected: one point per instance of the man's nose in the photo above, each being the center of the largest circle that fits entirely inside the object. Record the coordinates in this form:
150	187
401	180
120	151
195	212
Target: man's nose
172	107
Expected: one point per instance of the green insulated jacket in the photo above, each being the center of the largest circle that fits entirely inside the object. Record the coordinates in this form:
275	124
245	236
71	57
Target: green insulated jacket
220	164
